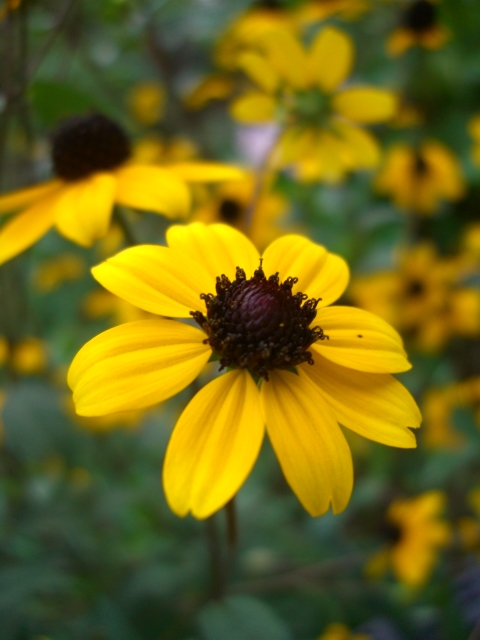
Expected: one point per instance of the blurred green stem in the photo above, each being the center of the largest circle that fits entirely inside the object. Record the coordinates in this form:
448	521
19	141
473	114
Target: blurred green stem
221	564
120	217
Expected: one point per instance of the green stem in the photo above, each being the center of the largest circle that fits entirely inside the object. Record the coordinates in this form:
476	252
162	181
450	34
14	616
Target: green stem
121	219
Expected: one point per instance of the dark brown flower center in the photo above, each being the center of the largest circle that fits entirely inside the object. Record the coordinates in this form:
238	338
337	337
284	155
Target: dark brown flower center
259	324
392	532
230	211
420	166
86	144
415	288
420	16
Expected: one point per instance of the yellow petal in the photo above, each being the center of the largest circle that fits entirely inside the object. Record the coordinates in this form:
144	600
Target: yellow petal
136	365
206	171
253	107
287	57
363	147
360	340
308	442
214	445
24	197
84	209
258	69
400	41
153	189
220	249
374	405
27	227
156	279
365	105
330	58
320	274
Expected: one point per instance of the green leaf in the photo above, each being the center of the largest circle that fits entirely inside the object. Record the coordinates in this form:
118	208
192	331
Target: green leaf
241	618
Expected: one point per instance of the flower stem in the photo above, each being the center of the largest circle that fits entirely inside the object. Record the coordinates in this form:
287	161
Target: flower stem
121	219
222	563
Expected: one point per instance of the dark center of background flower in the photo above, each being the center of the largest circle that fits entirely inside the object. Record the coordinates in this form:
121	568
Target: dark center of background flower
415	288
84	145
230	211
392	532
420	166
420	16
258	324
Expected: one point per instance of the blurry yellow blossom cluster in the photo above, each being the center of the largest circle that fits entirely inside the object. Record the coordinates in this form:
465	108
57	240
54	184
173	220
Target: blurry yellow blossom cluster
439	405
27	356
427	297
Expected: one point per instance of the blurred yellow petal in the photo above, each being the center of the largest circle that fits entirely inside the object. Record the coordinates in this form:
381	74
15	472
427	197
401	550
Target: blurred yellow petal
136	365
214	445
366	105
206	171
287	56
27	227
258	70
253	107
220	249
359	340
320	274
84	208
23	197
156	279
364	147
330	58
399	41
376	406
308	442
154	189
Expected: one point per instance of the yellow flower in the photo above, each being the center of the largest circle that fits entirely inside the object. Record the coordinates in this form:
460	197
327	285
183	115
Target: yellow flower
29	356
418	533
338	631
52	273
418	180
439	405
230	204
90	157
303	90
310	12
147	102
293	364
426	297
419	27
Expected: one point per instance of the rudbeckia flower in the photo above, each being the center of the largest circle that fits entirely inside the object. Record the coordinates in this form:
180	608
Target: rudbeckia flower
338	631
417	533
419	26
146	102
419	179
289	363
304	91
90	159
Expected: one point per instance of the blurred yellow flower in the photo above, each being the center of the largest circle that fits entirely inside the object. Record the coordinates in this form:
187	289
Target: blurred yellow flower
426	298
417	533
303	91
90	157
419	27
293	364
314	11
338	631
29	356
439	403
217	86
474	131
52	273
231	203
419	179
146	102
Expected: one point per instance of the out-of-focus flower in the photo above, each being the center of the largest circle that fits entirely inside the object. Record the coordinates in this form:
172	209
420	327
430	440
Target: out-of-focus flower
146	102
419	27
417	533
29	356
54	272
217	86
439	404
231	203
302	91
90	156
101	303
338	631
261	323
153	149
419	179
426	298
